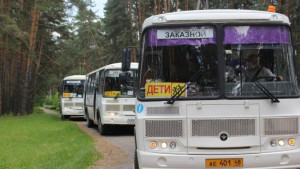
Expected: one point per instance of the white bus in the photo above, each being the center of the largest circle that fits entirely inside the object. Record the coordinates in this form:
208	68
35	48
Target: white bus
71	96
106	101
197	109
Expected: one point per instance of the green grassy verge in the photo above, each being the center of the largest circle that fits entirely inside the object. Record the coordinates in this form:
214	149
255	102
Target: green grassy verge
43	141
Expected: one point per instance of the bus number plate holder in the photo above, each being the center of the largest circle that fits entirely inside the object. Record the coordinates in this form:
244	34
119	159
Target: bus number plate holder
224	163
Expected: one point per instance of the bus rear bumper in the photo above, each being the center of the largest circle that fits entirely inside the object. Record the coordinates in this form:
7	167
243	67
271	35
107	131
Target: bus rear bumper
274	160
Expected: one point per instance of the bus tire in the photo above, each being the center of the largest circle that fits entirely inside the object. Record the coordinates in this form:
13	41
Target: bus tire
101	128
89	122
136	162
64	117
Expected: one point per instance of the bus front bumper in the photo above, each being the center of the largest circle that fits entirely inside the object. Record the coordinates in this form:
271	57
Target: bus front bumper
273	160
119	120
72	112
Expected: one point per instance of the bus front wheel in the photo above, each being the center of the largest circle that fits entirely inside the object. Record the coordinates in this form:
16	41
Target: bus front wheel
101	128
89	122
136	162
64	117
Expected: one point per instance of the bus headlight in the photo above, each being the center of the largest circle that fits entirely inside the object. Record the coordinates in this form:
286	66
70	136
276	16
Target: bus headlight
164	145
109	113
281	142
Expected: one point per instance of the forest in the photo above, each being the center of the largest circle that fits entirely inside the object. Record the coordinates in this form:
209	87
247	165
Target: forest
42	41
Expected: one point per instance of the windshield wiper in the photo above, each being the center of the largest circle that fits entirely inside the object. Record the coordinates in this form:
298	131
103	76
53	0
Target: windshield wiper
261	87
180	91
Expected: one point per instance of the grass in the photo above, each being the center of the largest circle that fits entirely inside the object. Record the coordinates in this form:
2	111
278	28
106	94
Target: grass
43	141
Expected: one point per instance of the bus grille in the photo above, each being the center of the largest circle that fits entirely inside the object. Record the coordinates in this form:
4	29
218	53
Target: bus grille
78	104
68	104
128	107
162	110
213	127
163	128
112	107
281	126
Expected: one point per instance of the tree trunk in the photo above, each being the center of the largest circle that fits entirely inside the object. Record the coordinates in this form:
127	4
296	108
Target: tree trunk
155	8
130	12
165	6
287	8
3	6
186	5
176	5
95	41
29	69
1	79
279	4
5	83
35	13
12	82
21	5
159	7
39	58
140	21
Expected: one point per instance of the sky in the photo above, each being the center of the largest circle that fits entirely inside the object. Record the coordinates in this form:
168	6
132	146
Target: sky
99	7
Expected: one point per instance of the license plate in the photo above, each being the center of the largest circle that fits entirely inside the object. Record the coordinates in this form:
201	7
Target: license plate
130	121
224	163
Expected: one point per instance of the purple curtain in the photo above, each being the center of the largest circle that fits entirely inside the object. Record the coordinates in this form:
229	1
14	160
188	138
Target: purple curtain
233	35
257	34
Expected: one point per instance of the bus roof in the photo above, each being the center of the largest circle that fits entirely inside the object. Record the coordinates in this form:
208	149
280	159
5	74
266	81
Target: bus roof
216	16
75	77
133	65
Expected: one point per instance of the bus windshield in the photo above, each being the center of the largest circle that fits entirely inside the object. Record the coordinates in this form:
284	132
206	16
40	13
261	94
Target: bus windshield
113	87
258	53
176	58
73	88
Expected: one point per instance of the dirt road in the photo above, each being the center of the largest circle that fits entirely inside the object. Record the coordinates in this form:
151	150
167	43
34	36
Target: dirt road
117	148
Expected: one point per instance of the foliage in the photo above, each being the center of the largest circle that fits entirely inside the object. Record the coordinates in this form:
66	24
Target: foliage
41	43
52	101
118	31
42	141
10	33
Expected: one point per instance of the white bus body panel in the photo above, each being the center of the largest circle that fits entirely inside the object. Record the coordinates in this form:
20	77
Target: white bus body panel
72	106
123	107
192	150
215	16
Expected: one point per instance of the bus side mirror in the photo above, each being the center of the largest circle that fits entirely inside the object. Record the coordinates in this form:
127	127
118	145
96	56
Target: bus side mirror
126	59
125	78
296	46
130	53
59	88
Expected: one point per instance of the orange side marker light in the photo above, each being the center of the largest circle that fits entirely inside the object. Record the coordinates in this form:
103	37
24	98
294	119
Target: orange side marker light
271	8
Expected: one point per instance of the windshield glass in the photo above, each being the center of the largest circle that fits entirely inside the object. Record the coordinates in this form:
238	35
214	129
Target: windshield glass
171	56
258	53
73	88
113	87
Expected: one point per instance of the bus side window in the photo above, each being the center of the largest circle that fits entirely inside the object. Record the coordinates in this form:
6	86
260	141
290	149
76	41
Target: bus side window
101	81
